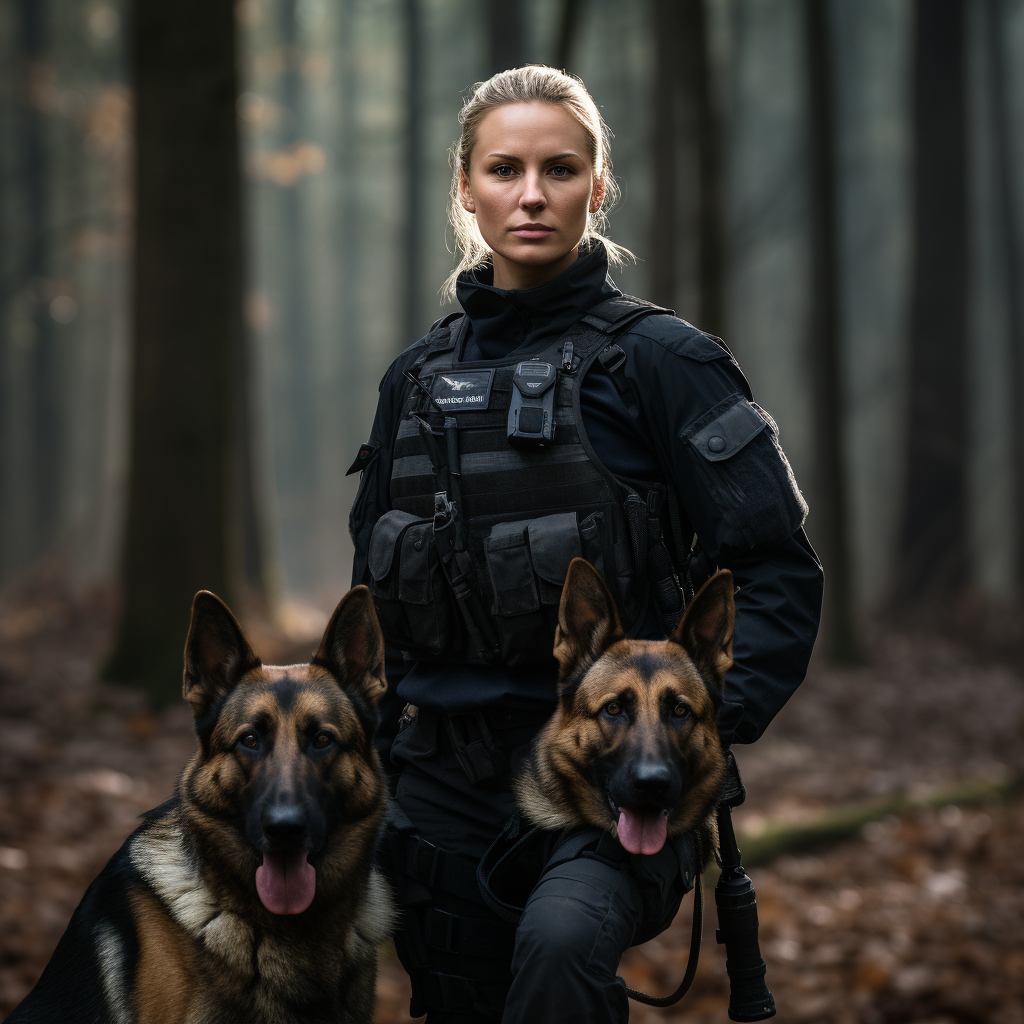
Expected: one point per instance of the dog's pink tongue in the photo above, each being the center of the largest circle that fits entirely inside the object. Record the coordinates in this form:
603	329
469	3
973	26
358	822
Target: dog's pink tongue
286	881
642	829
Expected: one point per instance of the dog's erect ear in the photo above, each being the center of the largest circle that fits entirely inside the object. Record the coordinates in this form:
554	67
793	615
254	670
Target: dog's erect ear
707	626
352	649
588	623
217	654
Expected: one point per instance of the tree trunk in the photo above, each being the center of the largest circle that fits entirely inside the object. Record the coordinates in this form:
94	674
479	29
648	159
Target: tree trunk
506	35
300	434
668	130
686	220
933	562
46	464
830	522
1008	226
699	80
569	19
415	109
181	510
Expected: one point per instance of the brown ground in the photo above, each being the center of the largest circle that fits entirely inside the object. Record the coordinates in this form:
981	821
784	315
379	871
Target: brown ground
919	921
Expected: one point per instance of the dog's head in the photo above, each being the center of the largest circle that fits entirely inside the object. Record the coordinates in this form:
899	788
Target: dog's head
285	762
633	745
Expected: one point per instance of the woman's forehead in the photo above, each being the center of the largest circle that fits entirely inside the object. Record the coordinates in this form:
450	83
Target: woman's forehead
522	130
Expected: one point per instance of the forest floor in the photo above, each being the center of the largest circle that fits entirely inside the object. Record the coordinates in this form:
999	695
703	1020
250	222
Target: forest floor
918	919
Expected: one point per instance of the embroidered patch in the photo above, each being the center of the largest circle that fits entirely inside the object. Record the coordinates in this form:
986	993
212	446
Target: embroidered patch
462	389
363	458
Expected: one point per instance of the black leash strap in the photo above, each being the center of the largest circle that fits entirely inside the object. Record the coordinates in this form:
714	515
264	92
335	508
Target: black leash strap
691	964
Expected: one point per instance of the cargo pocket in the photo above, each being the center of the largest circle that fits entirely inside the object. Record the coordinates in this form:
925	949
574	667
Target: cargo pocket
527	563
737	454
413	601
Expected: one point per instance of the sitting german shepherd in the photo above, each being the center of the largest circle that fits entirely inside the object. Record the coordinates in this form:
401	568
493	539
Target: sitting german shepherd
633	746
250	895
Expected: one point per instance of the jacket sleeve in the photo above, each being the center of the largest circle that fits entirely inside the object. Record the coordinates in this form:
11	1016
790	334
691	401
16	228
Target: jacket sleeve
721	453
371	502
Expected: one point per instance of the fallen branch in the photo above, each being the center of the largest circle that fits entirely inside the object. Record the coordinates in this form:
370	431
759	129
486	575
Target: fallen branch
776	839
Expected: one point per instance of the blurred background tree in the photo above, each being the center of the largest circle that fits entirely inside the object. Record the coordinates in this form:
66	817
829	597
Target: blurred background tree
832	187
188	480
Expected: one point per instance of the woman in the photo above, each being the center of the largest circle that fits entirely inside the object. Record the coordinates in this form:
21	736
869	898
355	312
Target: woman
556	417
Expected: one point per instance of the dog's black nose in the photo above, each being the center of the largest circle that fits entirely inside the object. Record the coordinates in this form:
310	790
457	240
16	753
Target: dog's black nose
651	778
284	822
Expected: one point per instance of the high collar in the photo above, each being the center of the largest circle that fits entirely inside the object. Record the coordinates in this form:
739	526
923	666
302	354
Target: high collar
503	321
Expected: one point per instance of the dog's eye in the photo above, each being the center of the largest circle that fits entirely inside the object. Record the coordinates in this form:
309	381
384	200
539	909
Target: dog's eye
613	708
681	710
322	740
249	740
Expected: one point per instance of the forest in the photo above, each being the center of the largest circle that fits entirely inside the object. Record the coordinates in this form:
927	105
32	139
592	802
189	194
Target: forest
221	221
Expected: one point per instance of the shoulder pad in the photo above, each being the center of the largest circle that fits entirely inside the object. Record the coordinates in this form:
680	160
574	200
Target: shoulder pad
683	338
614	314
444	321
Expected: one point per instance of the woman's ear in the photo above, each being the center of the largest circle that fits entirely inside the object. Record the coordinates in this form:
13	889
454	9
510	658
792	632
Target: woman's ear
465	195
597	195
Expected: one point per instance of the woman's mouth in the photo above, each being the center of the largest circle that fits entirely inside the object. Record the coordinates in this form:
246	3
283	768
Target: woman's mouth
532	231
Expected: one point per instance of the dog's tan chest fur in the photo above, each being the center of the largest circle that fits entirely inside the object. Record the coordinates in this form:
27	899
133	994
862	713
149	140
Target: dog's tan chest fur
197	958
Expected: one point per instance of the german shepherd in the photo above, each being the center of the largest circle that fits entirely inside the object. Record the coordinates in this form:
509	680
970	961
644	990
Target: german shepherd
251	894
633	746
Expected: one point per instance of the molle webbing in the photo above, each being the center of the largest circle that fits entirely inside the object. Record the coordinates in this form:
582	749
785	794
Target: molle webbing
496	478
502	522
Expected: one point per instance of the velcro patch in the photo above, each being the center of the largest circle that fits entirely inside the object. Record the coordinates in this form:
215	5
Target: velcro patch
363	458
462	389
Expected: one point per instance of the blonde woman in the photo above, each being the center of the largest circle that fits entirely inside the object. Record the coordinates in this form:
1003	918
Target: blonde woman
552	418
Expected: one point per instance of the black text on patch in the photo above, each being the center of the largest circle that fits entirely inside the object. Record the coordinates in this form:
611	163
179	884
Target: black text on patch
462	389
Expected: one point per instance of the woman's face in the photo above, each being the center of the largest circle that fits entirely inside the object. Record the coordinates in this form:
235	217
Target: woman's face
531	185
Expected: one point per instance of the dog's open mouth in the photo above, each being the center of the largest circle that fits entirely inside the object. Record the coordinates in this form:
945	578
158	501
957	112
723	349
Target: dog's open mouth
643	829
286	881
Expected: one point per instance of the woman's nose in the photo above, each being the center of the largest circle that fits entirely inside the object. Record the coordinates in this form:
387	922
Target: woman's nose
532	195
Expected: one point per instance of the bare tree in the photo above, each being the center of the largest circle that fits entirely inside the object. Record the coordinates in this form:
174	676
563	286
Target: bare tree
831	515
183	513
506	35
686	166
415	109
1008	226
46	465
933	562
569	18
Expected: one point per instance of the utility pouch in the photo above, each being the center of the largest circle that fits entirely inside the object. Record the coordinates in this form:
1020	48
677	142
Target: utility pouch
527	563
415	606
478	755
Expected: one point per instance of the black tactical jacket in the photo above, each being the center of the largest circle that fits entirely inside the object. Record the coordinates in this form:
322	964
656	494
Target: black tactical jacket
742	502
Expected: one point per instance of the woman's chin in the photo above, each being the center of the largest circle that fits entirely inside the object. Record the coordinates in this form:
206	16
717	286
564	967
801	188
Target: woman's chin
547	257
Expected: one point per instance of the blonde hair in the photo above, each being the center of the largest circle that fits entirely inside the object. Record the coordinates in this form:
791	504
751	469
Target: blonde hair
530	84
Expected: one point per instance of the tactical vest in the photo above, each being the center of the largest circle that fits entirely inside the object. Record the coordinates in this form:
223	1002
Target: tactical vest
469	564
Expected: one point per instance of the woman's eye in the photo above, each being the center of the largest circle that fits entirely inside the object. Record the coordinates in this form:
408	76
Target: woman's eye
249	740
560	171
322	740
504	171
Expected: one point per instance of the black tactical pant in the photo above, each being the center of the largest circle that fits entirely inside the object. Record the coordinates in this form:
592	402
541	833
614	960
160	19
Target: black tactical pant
559	965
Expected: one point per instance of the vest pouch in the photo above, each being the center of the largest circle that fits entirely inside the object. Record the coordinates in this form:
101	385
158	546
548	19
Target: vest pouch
414	604
527	563
593	540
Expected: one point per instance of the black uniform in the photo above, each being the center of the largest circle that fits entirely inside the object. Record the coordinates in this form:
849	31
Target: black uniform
645	417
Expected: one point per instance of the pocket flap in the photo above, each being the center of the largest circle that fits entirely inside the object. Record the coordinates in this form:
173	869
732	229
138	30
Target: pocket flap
384	540
508	562
554	543
724	430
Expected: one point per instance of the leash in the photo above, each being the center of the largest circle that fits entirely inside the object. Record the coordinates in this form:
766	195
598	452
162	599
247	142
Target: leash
691	963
